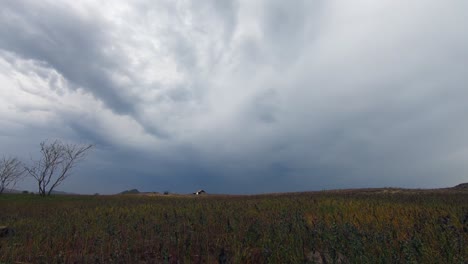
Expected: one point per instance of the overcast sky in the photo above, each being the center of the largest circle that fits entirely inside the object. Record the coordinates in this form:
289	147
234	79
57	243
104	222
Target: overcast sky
239	96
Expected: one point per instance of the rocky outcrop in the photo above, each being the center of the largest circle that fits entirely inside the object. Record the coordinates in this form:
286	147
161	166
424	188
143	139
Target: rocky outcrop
6	231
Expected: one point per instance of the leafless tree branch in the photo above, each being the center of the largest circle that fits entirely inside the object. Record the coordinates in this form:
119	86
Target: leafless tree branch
56	162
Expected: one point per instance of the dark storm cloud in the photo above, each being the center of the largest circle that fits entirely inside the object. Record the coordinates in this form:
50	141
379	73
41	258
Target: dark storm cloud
241	96
55	34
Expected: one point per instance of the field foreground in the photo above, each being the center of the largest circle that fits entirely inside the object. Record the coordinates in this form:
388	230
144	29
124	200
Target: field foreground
360	226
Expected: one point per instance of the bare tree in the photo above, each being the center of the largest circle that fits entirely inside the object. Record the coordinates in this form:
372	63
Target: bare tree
54	166
10	172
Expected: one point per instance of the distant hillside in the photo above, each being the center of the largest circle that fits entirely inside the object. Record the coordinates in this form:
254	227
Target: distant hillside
462	186
53	192
62	193
132	191
11	191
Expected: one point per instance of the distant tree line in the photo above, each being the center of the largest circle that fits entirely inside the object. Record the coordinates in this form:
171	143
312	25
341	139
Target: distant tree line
52	168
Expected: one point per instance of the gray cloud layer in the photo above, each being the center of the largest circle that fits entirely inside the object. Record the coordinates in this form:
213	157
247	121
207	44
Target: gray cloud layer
240	96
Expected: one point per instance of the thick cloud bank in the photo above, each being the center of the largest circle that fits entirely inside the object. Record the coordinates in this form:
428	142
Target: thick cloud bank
240	96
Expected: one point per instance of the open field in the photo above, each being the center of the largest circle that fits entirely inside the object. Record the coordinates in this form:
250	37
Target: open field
349	226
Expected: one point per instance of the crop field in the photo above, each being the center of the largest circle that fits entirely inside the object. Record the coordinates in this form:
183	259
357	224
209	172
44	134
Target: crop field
356	226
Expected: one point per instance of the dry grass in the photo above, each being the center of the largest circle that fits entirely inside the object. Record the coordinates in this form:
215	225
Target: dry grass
345	226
